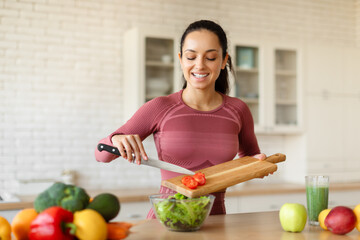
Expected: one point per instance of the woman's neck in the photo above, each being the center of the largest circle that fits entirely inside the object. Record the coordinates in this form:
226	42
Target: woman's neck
202	100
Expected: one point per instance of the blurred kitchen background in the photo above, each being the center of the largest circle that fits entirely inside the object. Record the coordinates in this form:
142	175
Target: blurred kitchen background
73	71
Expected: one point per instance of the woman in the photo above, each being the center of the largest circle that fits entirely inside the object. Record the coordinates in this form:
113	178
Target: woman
199	126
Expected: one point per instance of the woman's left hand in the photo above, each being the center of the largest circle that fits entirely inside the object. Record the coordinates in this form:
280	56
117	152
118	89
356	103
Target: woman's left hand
260	156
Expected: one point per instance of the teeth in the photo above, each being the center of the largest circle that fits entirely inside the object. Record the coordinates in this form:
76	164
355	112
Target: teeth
200	75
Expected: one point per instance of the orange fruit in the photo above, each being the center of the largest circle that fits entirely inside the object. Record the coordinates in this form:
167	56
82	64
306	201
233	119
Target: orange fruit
21	223
321	218
357	214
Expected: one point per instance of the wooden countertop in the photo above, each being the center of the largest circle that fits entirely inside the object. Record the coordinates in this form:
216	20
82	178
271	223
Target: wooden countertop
249	226
247	189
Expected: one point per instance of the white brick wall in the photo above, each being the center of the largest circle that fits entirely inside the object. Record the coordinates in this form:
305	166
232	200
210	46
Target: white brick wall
61	72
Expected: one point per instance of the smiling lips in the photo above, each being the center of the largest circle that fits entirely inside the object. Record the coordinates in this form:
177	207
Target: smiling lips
200	75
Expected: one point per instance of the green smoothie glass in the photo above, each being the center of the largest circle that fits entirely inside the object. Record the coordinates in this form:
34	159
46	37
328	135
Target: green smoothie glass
317	195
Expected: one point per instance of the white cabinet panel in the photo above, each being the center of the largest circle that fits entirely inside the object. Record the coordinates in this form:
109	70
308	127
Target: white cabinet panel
351	77
351	136
232	205
325	127
324	69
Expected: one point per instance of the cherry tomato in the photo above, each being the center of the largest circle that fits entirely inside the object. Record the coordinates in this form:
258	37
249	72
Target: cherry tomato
190	182
185	180
200	178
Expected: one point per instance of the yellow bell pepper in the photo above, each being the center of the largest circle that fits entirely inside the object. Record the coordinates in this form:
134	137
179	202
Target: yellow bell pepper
5	229
90	225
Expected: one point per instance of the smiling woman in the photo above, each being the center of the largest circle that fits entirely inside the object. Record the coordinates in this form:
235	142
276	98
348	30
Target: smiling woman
202	61
198	126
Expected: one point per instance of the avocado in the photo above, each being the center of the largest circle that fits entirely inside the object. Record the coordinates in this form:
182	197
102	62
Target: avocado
107	204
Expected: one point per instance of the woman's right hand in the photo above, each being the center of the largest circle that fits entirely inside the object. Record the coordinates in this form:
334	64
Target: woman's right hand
129	145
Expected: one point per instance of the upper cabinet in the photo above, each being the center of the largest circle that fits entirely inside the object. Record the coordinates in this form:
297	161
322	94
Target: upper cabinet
268	80
247	77
159	67
286	91
151	68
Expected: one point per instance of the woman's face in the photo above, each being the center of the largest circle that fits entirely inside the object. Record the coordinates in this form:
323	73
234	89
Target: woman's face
201	59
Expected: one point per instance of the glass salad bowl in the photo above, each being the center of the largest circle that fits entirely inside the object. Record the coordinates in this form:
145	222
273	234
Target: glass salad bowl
180	213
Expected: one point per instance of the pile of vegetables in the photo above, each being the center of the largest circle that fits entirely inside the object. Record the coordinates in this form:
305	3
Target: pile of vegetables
66	212
181	213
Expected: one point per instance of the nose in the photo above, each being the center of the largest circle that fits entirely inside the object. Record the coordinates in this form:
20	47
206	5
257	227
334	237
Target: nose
199	64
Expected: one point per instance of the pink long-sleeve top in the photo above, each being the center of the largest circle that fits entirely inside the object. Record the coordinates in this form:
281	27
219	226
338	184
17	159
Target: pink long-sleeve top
191	138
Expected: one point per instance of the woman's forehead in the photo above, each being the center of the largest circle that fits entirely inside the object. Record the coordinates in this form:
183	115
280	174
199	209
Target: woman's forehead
201	40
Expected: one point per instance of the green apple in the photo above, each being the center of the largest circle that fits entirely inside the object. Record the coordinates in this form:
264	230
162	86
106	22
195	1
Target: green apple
293	217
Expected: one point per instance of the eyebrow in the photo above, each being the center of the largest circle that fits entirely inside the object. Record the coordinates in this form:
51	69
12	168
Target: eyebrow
210	50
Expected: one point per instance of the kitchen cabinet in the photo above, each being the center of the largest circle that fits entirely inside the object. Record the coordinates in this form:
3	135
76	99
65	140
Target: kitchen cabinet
329	110
268	79
151	68
324	69
333	113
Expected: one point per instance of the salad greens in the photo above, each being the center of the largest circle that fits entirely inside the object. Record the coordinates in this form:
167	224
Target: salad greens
181	213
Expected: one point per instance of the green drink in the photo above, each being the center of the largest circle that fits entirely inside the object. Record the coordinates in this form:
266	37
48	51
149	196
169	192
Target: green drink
317	195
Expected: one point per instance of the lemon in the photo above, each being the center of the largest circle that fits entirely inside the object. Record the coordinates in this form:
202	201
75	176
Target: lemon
357	214
322	215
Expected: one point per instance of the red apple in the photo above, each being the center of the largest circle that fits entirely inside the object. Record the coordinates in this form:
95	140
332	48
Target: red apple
340	220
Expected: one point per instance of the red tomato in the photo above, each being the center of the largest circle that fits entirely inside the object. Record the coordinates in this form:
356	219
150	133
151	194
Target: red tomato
200	178
190	182
185	180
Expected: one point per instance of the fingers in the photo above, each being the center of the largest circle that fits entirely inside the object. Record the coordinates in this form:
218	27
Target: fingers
260	156
133	148
130	146
117	141
141	147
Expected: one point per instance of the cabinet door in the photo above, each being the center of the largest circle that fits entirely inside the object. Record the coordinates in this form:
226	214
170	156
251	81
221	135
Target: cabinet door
324	69
286	81
325	134
351	76
351	128
247	77
159	67
232	205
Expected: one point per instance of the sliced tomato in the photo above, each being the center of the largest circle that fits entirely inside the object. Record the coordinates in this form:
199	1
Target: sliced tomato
200	178
185	180
190	182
